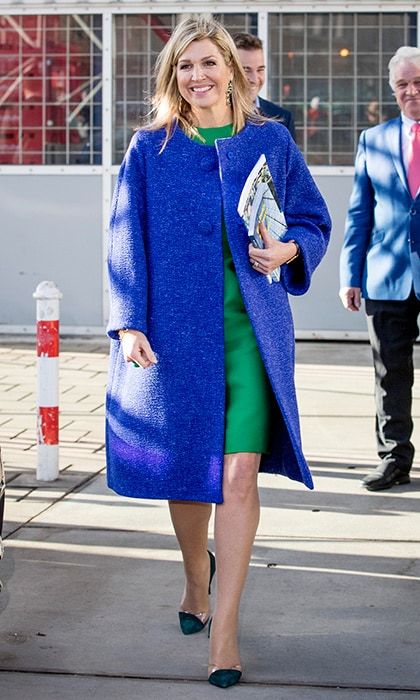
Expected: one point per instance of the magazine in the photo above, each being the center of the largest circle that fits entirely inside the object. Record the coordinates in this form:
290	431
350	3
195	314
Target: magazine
259	203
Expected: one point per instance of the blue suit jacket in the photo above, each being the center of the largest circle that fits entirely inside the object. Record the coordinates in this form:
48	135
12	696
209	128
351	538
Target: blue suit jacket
382	236
269	109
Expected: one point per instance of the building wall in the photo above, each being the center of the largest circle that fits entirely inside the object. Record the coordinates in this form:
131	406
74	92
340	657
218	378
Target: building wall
53	230
73	86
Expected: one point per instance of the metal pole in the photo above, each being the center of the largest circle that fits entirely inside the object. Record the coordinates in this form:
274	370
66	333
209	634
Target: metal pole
47	314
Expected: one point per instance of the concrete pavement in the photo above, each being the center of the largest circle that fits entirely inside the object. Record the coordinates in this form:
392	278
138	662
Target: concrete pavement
92	580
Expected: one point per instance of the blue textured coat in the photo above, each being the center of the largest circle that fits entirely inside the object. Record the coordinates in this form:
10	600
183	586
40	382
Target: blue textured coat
381	251
165	424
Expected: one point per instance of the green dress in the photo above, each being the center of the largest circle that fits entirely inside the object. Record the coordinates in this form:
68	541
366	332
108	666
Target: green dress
248	392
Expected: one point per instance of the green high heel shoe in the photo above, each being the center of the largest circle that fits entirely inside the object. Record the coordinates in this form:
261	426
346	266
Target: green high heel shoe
225	677
189	622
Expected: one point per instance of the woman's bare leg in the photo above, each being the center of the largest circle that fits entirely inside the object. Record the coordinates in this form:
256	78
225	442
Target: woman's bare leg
235	528
191	521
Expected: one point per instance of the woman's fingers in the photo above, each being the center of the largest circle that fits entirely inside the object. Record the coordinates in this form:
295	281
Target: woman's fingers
259	266
138	360
261	259
137	349
147	352
267	259
268	240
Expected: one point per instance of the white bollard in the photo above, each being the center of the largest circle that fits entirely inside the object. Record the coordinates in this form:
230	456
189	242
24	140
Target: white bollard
47	341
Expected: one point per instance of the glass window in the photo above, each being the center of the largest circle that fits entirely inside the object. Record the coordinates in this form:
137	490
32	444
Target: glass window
331	71
328	68
50	89
137	41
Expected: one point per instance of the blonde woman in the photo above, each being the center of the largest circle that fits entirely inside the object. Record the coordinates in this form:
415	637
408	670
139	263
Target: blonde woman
201	394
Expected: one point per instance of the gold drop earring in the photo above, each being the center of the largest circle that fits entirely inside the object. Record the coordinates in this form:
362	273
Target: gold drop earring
228	93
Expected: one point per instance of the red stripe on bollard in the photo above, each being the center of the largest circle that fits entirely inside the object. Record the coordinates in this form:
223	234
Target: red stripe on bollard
47	338
48	425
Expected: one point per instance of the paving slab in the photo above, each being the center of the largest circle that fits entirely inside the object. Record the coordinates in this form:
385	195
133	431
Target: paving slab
92	580
50	687
345	353
338	506
27	497
106	604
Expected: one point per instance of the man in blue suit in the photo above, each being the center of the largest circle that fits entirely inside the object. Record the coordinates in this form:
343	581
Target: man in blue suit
250	49
380	261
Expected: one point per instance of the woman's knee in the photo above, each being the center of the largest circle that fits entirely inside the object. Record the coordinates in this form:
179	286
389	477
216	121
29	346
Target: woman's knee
240	476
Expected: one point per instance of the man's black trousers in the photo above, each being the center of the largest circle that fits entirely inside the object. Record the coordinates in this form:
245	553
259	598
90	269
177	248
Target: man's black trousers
393	329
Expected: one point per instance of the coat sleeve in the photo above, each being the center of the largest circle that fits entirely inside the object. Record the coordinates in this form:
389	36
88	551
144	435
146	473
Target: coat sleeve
127	266
308	223
359	222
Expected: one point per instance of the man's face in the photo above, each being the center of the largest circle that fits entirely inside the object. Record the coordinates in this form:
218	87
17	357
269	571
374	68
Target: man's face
253	63
407	89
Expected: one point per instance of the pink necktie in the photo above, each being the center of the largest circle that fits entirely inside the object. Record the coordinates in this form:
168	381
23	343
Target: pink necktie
414	160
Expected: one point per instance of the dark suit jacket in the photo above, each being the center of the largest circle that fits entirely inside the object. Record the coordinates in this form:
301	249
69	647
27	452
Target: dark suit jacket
269	109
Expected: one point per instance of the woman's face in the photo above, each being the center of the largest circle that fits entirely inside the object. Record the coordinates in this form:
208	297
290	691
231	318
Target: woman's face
203	77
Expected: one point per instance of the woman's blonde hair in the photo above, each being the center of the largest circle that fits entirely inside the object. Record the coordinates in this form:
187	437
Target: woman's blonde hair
168	106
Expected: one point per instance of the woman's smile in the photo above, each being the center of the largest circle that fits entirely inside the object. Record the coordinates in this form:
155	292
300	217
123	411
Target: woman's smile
200	89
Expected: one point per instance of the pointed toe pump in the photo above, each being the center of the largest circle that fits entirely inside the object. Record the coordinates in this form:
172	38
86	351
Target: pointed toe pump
225	677
189	622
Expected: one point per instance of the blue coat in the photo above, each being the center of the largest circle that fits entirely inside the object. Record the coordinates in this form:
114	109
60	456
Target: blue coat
165	424
382	237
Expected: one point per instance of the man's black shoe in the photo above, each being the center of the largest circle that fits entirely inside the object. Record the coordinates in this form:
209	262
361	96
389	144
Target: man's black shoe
385	477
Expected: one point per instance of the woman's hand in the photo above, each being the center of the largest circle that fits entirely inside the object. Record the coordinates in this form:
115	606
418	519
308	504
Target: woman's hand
136	348
274	253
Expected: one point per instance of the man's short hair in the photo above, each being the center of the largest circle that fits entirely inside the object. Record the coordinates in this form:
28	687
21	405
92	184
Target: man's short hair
249	42
409	54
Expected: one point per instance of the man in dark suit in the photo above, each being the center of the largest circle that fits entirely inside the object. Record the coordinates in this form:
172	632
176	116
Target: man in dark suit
251	53
380	261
